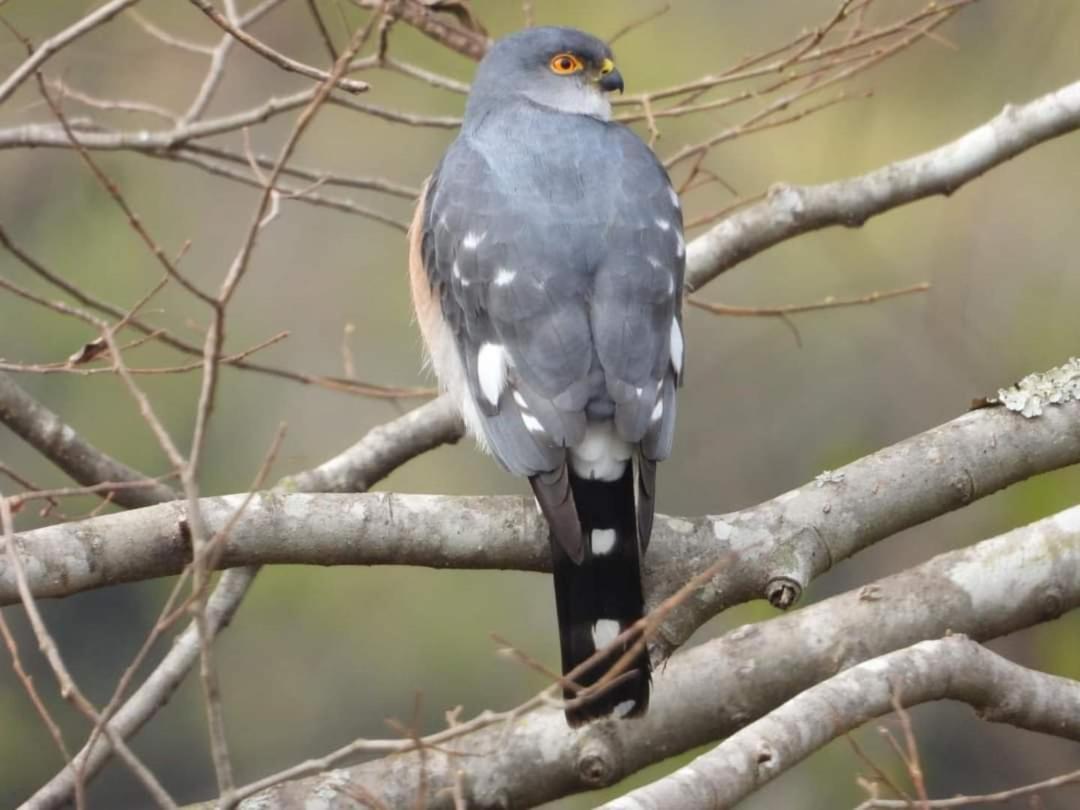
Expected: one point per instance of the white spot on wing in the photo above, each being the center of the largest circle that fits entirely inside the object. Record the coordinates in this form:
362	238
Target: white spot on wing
491	363
674	197
624	708
680	245
658	411
604	632
676	346
655	262
663	224
603	541
504	277
457	270
532	423
520	400
472	240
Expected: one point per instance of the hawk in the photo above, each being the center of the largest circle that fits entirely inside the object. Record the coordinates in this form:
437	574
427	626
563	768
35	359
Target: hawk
546	266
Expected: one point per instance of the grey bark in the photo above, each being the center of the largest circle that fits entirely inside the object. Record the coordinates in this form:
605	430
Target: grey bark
953	668
375	456
792	210
995	587
772	550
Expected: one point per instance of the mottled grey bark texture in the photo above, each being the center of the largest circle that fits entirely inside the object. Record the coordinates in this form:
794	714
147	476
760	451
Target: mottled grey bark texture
953	668
996	587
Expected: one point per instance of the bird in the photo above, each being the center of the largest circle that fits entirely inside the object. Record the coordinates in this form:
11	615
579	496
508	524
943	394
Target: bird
546	262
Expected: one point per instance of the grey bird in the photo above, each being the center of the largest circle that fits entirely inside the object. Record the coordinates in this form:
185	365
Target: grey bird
546	264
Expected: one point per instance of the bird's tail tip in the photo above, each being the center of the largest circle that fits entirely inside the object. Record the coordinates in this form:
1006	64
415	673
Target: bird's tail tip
599	598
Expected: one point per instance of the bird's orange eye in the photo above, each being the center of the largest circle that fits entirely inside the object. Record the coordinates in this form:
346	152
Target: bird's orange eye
565	63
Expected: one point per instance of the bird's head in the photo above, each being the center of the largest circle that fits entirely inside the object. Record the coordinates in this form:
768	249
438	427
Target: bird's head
561	68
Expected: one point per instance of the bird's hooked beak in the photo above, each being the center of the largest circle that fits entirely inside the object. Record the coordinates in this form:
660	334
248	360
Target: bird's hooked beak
610	79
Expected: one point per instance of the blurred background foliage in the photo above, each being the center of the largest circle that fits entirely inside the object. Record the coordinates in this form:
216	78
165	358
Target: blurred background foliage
318	657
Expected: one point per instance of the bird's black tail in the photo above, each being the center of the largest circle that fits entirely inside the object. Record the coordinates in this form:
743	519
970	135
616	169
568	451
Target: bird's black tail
600	597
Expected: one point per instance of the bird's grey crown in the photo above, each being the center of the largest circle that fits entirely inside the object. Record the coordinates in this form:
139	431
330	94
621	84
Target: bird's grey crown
518	66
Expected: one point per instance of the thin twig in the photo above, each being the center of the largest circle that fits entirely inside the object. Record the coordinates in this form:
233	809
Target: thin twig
643	20
27	682
793	309
1064	780
56	43
68	688
279	59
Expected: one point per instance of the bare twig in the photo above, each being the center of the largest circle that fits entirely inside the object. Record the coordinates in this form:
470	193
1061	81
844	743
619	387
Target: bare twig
951	668
381	451
59	41
639	22
1064	780
61	444
794	309
279	59
423	17
27	682
68	688
118	198
324	32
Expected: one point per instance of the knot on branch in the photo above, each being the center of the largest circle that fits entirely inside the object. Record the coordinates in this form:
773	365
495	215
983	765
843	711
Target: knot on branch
782	592
186	543
964	486
1003	710
787	201
1052	603
766	760
597	761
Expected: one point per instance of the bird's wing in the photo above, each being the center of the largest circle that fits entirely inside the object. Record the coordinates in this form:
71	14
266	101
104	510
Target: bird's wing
516	308
635	307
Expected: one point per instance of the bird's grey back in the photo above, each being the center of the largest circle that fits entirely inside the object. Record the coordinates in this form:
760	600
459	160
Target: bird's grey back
572	259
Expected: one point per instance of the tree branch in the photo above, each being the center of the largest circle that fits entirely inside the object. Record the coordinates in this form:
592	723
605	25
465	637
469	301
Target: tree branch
58	42
375	456
773	550
279	59
995	587
57	441
789	211
953	668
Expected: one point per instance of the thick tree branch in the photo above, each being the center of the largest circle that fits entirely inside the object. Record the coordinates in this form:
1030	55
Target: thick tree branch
792	210
772	550
995	587
953	668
